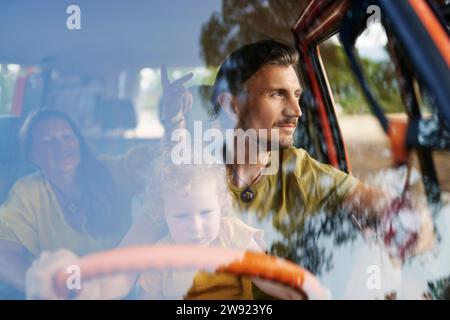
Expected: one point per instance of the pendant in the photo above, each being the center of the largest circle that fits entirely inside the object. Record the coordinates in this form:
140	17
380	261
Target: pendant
247	195
72	207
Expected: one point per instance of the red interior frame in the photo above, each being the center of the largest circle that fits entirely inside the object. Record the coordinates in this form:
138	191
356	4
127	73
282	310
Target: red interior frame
317	18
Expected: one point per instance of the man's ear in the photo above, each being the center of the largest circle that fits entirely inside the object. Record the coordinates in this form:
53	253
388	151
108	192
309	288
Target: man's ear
228	104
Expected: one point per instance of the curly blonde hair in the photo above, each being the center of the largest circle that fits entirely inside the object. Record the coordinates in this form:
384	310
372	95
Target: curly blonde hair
165	177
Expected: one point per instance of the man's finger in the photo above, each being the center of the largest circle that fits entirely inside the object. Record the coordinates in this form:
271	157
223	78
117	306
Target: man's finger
183	79
164	76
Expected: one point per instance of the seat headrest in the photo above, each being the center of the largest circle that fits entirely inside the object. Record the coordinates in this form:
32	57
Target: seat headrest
9	140
116	114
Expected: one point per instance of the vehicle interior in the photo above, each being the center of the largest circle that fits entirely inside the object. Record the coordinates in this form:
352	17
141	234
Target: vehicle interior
103	70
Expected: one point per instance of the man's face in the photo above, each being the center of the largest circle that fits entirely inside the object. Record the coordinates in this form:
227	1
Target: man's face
271	101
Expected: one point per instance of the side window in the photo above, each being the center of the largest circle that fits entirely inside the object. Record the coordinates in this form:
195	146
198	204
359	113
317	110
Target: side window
396	86
367	145
442	8
26	81
428	136
8	77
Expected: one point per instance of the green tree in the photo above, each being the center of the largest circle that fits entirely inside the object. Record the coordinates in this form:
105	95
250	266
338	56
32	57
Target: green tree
243	22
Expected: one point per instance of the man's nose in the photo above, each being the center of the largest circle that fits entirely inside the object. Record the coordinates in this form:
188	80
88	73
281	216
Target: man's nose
293	109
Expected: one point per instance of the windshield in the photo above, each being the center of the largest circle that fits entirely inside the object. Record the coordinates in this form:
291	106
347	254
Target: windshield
196	128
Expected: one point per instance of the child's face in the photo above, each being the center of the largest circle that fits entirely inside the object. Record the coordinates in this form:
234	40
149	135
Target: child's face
195	218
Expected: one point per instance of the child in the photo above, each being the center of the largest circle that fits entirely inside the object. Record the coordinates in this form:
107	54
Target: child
193	201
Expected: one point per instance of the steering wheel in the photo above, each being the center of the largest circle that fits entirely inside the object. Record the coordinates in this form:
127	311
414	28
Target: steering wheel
160	257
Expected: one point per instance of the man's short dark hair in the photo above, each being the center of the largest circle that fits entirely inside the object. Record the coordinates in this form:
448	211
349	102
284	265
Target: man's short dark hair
245	62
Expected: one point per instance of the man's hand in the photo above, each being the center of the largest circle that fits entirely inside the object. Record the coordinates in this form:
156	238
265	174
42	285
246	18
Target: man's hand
405	228
366	203
311	287
177	100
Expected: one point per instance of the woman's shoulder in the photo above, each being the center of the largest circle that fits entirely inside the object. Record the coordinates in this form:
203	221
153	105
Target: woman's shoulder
32	181
27	189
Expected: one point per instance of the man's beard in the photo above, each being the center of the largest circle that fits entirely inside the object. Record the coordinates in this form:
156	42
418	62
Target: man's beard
271	141
276	144
286	142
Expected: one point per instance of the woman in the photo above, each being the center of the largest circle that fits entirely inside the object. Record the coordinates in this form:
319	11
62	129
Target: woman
71	202
75	201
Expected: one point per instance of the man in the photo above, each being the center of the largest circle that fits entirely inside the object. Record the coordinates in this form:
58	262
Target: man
257	86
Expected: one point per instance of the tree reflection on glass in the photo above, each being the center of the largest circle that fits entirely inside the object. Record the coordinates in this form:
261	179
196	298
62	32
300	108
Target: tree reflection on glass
311	244
243	22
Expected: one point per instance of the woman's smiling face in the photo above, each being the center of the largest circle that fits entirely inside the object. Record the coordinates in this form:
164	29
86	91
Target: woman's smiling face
55	147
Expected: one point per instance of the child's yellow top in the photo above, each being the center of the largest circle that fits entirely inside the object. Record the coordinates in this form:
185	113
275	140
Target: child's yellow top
176	284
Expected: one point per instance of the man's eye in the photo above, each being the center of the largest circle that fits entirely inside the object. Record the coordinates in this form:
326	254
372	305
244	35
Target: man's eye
277	94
